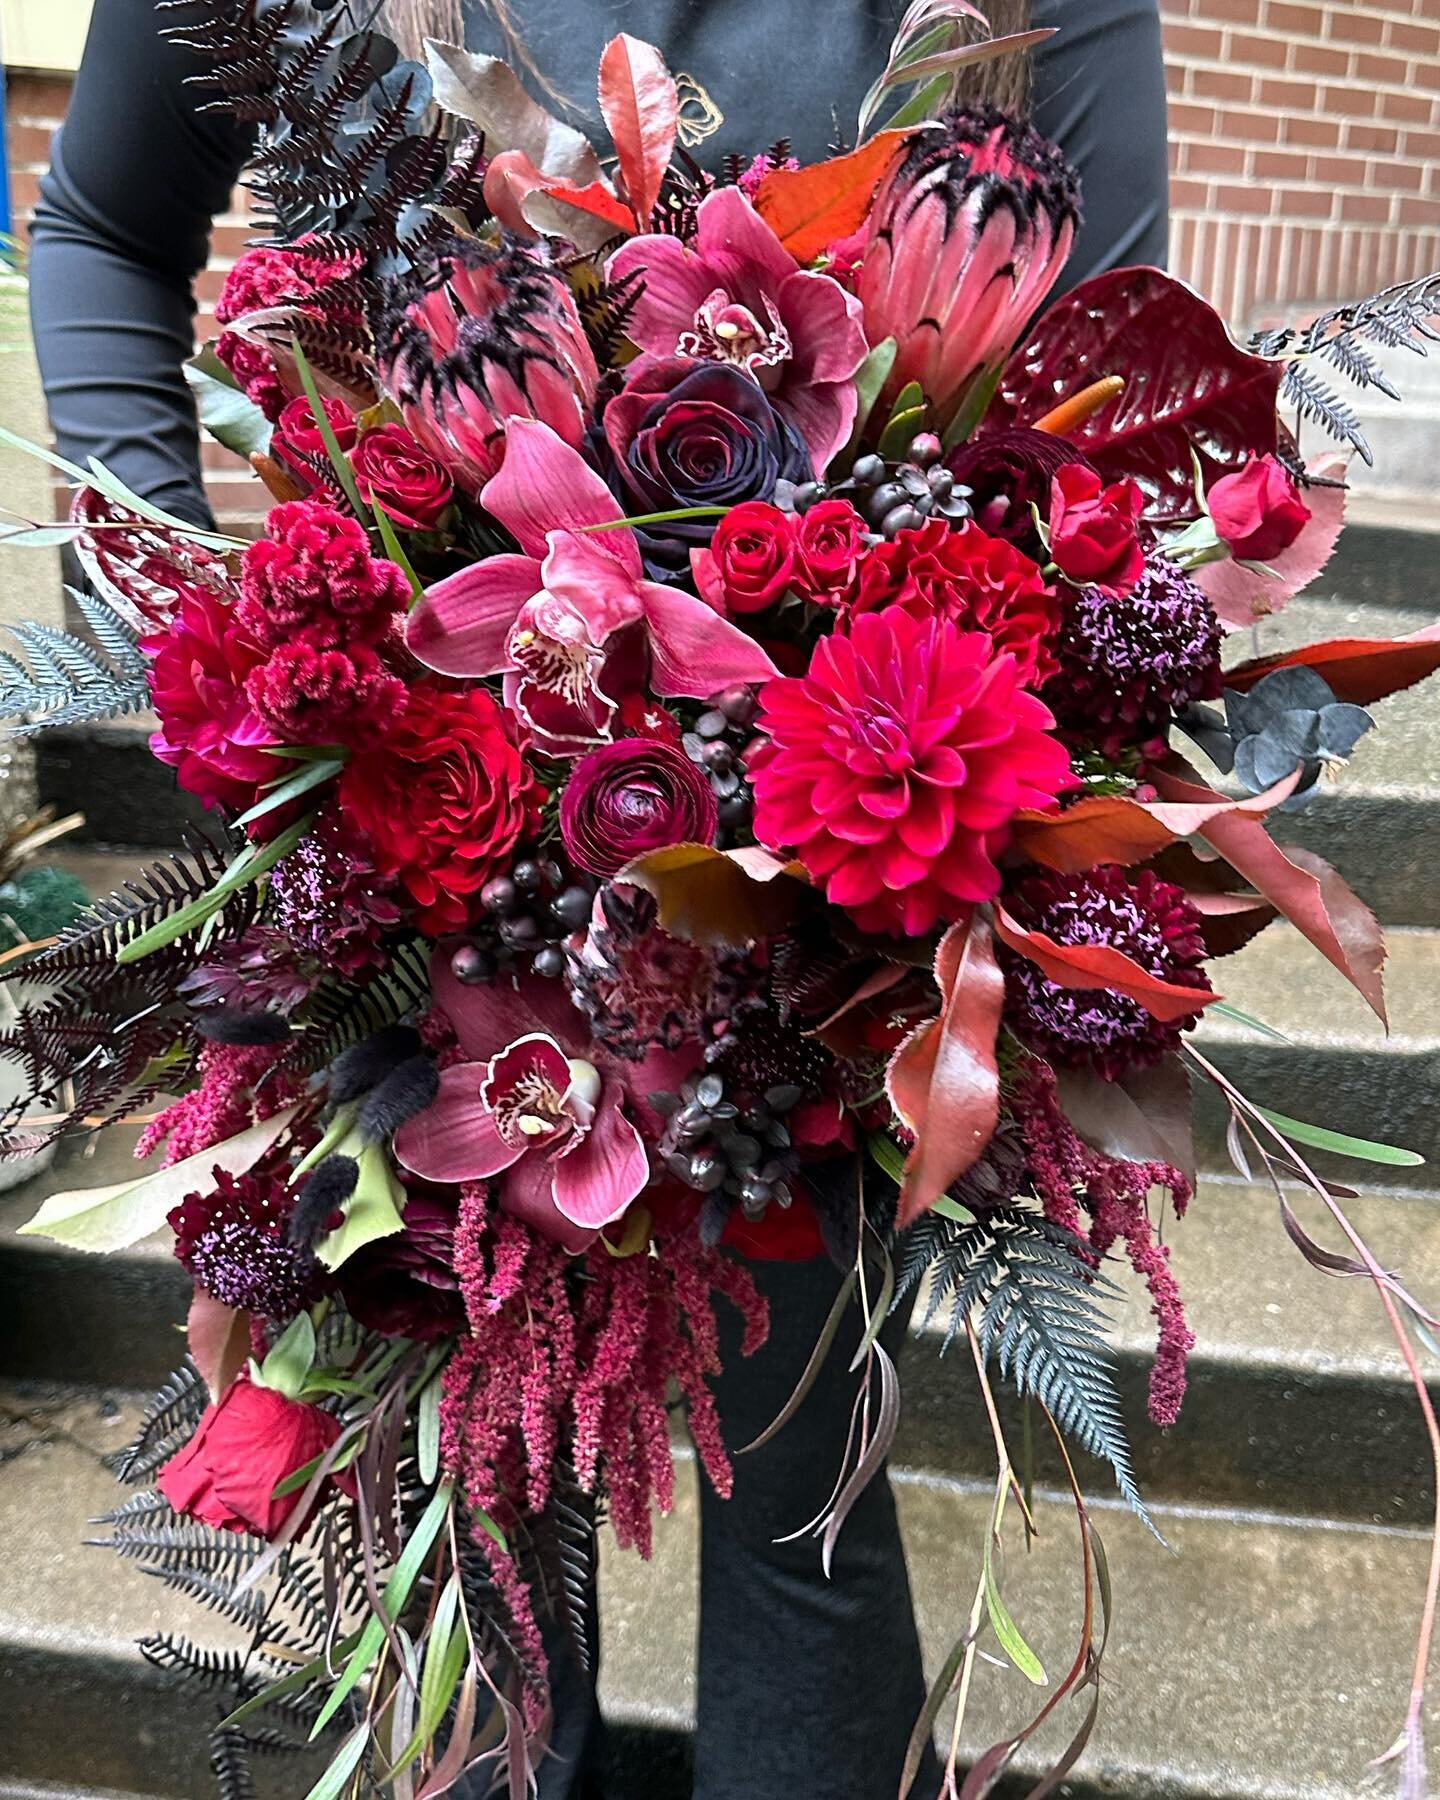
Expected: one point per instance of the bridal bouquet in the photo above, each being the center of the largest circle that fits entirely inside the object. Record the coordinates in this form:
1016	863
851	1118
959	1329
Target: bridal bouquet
717	754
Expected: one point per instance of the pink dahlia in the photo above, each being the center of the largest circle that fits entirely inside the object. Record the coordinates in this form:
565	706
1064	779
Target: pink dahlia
895	765
210	732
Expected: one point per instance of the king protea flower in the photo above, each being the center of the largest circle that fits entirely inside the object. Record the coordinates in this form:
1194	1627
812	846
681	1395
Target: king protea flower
491	335
968	235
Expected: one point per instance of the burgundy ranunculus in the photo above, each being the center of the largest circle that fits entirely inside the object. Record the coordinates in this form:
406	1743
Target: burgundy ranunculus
831	542
1008	473
754	557
394	470
250	1441
683	434
406	1286
1094	535
632	796
1258	511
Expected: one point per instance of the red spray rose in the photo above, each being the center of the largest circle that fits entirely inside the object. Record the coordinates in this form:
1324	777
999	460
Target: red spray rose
442	800
250	1441
1258	511
632	796
831	545
1093	529
753	555
394	470
298	430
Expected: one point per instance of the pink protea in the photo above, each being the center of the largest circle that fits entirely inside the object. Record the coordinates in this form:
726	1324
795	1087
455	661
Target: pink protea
492	334
894	767
967	237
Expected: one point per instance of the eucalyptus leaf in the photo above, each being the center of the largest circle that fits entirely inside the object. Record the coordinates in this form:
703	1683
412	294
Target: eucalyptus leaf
230	416
490	95
428	1430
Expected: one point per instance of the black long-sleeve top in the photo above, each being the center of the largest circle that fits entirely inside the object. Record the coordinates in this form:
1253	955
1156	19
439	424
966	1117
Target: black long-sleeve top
138	174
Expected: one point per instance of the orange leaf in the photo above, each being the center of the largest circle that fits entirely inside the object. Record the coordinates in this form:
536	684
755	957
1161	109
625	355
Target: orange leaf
1100	966
1359	670
811	209
1112	828
642	109
709	896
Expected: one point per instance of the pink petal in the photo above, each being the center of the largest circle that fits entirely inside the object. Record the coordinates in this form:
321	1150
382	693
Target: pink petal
455	1138
694	652
544	485
486	1016
739	246
460	625
677	283
599	1178
581	571
528	1194
824	416
825	324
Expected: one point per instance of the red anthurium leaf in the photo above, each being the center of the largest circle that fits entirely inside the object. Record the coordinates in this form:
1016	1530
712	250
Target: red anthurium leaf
1100	966
1187	385
943	1081
1360	670
811	209
1146	1116
1113	828
642	110
219	1341
1305	889
1241	593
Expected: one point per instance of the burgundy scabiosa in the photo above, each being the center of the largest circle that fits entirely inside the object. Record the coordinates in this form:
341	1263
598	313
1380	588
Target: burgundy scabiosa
491	334
1128	665
967	237
331	901
1150	920
894	767
233	1242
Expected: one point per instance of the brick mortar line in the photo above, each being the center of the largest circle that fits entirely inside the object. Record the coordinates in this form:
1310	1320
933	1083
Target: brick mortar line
1182	61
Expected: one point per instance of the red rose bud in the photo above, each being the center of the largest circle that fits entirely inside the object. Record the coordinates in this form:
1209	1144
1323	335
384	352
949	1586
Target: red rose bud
250	1441
831	543
493	334
1258	511
636	795
754	552
967	237
1094	537
298	430
394	470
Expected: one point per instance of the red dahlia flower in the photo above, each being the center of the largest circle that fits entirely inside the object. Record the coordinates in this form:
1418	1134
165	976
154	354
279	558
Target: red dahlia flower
442	800
895	766
210	733
967	236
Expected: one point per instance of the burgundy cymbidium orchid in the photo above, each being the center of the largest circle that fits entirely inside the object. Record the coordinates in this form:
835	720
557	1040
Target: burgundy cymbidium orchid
569	621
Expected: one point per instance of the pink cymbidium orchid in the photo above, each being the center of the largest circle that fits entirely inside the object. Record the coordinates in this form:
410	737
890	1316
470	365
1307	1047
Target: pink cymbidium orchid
532	1112
561	620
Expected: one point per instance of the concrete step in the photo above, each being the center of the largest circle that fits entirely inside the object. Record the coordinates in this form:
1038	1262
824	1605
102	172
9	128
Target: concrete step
1385	557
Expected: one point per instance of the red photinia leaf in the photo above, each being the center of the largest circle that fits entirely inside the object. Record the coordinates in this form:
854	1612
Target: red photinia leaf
1187	385
1100	966
1360	670
642	110
1146	1116
219	1341
943	1081
596	201
1229	921
1305	889
1241	593
1114	828
811	209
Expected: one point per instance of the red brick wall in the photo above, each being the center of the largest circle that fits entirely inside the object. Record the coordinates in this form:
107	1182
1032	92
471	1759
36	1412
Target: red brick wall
1305	151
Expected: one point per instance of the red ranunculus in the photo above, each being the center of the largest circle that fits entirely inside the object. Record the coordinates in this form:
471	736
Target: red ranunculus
754	552
831	543
297	428
442	800
632	796
1258	511
406	1285
1093	529
393	469
250	1441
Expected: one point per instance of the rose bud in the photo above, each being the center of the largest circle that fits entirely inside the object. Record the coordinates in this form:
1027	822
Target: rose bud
394	470
245	1445
632	796
753	558
1094	537
831	543
1258	510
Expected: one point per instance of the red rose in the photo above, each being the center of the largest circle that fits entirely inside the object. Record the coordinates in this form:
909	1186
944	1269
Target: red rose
830	543
250	1441
394	470
1093	535
632	796
973	580
297	429
754	552
442	800
1258	511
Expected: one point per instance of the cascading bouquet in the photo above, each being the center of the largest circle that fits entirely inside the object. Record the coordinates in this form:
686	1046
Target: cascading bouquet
699	755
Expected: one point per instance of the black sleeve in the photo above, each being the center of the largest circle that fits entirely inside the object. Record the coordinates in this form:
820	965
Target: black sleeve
120	233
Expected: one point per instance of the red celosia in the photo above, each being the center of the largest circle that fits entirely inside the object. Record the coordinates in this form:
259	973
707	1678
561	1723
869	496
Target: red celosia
265	277
976	581
894	767
313	696
313	575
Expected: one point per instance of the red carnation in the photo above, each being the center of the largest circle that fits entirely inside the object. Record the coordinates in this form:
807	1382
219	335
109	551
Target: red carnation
312	696
394	470
443	800
895	766
632	796
1094	529
975	581
831	542
210	732
313	575
1258	511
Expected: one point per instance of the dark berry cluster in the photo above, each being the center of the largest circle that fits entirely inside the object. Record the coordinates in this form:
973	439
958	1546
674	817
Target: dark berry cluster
735	1151
717	743
901	497
529	914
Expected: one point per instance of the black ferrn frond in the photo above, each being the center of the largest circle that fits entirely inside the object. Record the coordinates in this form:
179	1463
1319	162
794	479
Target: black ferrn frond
1315	399
230	1763
559	1561
194	1665
606	308
171	1415
342	1013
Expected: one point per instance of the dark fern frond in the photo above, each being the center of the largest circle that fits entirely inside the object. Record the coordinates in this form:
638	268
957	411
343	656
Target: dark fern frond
606	308
559	1561
145	1508
923	1245
230	1763
340	1014
173	1412
1315	399
1356	364
215	1591
66	681
196	1667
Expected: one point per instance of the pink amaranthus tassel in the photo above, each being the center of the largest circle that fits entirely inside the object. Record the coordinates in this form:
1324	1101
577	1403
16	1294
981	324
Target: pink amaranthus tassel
225	1102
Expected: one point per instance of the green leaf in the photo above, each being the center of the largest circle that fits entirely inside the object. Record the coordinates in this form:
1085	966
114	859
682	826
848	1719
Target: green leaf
659	518
230	416
444	1662
373	1211
344	474
906	417
288	1365
247	867
428	1430
870	381
334	1781
1223	1009
113	1218
313	775
294	1683
392	1601
1001	1622
395	550
1318	1138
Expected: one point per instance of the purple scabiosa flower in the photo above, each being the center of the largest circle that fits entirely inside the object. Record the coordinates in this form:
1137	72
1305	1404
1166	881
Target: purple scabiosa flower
234	1241
1150	920
1128	665
332	904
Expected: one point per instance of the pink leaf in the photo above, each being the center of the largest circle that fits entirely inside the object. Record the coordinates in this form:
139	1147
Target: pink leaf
1242	593
219	1341
1359	670
1100	966
642	109
1187	385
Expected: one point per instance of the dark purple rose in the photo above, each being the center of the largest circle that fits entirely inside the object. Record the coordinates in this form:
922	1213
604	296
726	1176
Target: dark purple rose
1009	472
683	433
406	1285
636	795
